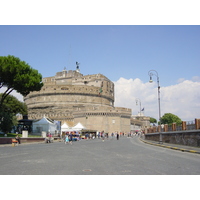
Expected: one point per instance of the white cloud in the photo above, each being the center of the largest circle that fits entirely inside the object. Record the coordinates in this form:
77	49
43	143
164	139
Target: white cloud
196	78
180	80
181	99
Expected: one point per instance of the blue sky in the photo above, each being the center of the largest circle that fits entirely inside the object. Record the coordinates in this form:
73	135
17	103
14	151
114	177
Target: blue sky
124	54
115	51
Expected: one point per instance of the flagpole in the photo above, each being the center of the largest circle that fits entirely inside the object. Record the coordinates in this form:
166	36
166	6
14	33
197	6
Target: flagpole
137	99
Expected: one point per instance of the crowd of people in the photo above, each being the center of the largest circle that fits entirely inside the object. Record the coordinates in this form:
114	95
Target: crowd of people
69	137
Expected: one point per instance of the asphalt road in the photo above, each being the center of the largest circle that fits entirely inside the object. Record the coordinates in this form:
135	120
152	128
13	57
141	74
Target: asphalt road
126	156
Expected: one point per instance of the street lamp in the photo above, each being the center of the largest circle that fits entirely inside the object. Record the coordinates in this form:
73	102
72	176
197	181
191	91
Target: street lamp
151	73
137	104
155	73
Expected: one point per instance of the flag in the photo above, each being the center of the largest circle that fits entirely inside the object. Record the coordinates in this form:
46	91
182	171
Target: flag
100	91
142	109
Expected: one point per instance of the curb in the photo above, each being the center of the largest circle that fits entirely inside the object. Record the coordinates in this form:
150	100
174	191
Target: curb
171	147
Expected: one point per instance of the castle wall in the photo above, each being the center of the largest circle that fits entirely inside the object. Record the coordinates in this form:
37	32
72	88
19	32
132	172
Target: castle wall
71	97
110	123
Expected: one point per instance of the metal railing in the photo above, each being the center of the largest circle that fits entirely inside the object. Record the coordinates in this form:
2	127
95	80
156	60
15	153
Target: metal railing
190	125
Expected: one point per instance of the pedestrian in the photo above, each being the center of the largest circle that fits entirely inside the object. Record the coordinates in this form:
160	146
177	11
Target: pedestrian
18	139
50	138
117	136
103	136
66	139
79	136
70	138
86	136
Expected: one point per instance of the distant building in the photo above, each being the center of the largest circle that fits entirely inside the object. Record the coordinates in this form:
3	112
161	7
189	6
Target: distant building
139	122
71	97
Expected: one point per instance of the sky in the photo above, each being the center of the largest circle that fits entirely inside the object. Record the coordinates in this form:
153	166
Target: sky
123	53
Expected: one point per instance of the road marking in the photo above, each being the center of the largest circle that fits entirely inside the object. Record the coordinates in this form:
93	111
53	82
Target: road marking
174	148
193	151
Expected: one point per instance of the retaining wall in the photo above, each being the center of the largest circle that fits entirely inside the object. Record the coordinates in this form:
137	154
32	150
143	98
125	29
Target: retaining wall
190	138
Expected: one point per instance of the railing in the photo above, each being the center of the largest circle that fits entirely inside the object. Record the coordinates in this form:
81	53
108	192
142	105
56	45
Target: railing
186	125
191	125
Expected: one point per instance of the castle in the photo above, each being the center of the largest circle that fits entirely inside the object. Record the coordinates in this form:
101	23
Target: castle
71	97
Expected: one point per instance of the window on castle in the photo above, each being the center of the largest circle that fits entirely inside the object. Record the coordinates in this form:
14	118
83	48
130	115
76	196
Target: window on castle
64	88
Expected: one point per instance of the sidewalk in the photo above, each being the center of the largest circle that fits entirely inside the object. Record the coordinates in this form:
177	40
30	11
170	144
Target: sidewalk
182	148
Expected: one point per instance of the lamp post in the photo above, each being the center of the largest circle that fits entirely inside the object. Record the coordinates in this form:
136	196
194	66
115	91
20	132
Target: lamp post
151	73
155	73
137	104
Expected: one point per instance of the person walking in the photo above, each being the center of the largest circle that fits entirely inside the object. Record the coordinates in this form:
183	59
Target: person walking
117	136
70	138
66	139
103	136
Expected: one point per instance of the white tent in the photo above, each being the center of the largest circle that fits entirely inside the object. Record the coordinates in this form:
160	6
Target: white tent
78	127
44	125
65	128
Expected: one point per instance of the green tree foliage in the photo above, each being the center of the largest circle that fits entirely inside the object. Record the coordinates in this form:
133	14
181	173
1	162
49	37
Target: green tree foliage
13	105
10	107
18	75
7	121
169	118
153	120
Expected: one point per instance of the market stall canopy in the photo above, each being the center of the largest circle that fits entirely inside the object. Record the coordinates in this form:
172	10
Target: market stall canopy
78	127
44	124
44	120
65	128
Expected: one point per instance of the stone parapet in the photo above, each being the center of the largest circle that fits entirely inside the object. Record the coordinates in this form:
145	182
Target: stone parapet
190	138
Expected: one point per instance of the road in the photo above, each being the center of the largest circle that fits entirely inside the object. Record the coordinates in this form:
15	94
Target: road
126	156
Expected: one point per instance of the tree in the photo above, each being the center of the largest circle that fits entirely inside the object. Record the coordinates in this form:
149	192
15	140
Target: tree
169	118
153	120
10	107
13	105
18	75
6	121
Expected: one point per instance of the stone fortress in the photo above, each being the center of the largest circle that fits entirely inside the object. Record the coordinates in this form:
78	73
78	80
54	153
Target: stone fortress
71	97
